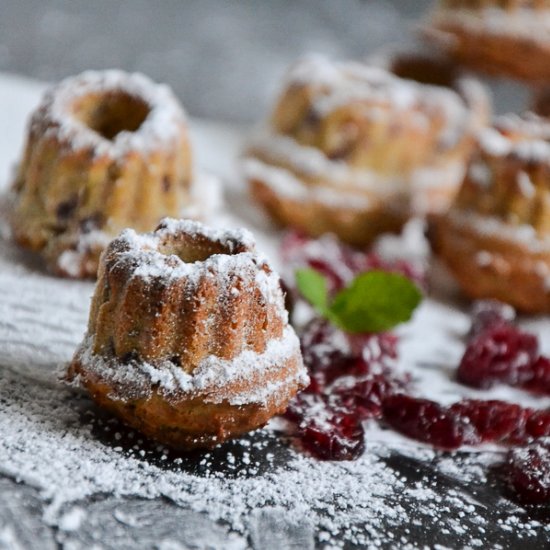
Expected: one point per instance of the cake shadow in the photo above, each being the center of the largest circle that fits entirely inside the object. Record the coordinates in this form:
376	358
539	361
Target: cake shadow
255	454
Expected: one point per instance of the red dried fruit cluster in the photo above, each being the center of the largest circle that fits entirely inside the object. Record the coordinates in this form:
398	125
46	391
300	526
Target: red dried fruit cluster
499	352
467	422
350	378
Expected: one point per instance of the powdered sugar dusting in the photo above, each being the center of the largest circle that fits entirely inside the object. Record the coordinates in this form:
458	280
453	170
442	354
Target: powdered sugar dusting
286	184
162	124
208	378
312	162
369	501
346	187
144	255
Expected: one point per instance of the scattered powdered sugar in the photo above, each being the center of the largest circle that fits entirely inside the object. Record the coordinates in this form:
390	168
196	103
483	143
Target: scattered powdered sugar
253	483
256	489
494	143
484	258
72	520
161	125
525	185
480	173
258	483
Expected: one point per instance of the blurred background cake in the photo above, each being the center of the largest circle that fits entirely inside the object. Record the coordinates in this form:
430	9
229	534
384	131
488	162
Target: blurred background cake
356	149
500	37
105	150
495	238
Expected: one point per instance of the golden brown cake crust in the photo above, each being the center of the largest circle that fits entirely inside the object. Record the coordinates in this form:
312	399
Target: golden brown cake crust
188	339
356	149
495	239
499	38
489	266
105	150
189	422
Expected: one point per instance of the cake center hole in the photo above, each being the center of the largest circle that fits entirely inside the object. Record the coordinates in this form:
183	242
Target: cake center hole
425	71
190	250
108	114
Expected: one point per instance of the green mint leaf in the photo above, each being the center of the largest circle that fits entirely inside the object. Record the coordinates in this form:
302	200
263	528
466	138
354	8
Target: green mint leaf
375	301
314	288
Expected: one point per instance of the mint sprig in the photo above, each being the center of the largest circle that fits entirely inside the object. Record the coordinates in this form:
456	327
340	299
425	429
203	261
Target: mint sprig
374	301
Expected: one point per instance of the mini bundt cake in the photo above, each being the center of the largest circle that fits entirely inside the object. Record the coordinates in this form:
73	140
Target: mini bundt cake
495	238
105	150
355	149
188	339
499	37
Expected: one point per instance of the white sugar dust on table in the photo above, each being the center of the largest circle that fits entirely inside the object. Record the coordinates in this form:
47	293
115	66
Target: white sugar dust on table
253	490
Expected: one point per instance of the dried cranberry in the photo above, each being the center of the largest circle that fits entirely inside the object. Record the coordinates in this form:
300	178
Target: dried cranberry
329	353
325	430
341	438
298	407
539	380
350	378
488	314
365	397
375	348
493	420
529	472
326	352
429	422
499	354
538	424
